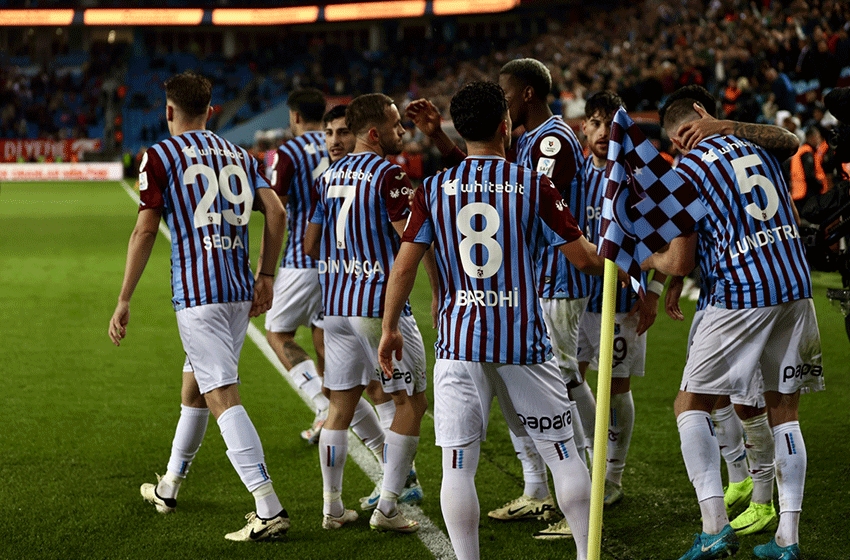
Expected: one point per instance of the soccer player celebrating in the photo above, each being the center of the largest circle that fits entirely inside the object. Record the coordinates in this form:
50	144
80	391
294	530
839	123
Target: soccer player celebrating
488	220
205	188
633	315
360	212
298	297
761	317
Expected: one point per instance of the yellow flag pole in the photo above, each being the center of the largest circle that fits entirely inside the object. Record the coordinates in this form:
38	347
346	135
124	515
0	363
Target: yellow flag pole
603	404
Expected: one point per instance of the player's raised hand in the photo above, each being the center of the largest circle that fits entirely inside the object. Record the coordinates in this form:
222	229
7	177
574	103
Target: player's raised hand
671	299
647	310
118	323
425	116
693	132
263	294
391	344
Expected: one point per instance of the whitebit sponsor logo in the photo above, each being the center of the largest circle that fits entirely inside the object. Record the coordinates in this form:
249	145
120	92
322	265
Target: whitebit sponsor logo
189	152
450	186
710	156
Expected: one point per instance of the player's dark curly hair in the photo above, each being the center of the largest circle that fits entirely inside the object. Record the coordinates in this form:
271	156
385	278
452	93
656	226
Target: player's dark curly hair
334	114
478	109
606	103
190	92
530	72
693	93
309	103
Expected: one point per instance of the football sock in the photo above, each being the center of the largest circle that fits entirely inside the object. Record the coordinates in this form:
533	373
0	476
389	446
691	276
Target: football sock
578	431
586	403
790	452
188	436
333	449
533	467
459	500
365	425
702	461
244	448
386	414
399	451
760	457
730	438
622	423
266	501
307	379
572	487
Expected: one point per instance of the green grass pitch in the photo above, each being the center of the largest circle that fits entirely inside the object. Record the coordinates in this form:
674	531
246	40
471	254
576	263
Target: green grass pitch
83	424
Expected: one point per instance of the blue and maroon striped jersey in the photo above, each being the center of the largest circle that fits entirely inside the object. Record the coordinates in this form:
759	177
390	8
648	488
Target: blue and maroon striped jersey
297	164
489	221
205	186
553	150
359	198
758	257
594	192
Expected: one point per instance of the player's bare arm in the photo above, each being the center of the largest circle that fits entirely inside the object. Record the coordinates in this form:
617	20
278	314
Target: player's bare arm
312	240
678	259
258	206
138	252
647	308
426	117
274	228
399	285
429	262
671	298
778	141
582	253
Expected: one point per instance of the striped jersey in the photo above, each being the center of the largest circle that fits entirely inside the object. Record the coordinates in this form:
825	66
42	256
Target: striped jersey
297	164
553	150
489	221
594	192
358	199
758	258
205	187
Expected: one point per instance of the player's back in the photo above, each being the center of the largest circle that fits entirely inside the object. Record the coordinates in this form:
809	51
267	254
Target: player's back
490	224
759	259
297	164
206	187
359	197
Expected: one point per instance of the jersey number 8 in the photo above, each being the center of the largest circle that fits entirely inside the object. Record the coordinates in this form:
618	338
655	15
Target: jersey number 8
485	237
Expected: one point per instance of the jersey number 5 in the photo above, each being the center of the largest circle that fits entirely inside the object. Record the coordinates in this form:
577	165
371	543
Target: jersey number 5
747	182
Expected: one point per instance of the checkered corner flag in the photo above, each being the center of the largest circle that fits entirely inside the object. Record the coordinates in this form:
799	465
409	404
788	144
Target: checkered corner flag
646	204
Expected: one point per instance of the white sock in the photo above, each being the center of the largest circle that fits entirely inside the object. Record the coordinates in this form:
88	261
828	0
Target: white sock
578	432
620	435
307	378
586	403
399	451
533	467
790	452
266	501
365	425
730	437
459	500
188	436
702	461
333	449
572	487
386	414
760	449
244	448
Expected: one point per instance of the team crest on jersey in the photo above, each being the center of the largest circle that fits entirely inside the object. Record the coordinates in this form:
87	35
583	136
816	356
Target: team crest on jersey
189	151
450	187
550	146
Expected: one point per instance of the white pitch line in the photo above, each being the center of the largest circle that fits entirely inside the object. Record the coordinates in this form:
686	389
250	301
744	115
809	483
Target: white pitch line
434	539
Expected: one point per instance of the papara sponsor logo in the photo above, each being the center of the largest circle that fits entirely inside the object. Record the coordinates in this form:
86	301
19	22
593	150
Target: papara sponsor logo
350	266
802	371
487	298
405	376
762	238
451	187
223	242
543	423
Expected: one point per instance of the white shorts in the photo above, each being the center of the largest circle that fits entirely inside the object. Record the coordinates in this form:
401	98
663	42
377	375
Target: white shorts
730	345
297	300
629	359
212	338
533	399
562	319
754	393
351	355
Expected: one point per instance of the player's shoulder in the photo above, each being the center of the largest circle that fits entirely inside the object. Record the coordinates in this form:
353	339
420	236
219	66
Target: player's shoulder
554	137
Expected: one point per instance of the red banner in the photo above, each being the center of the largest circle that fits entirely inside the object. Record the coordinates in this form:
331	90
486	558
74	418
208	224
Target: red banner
38	150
